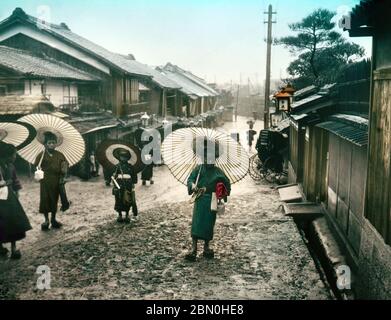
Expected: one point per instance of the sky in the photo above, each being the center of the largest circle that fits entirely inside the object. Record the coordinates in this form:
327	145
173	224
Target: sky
218	40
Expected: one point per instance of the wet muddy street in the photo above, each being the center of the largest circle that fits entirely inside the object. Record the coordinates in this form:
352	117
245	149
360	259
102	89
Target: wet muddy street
259	252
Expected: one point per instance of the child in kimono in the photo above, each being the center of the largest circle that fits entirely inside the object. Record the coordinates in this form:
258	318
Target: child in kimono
205	178
251	133
54	165
124	180
13	220
147	173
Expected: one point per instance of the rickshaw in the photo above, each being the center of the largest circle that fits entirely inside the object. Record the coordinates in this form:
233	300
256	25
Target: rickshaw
268	163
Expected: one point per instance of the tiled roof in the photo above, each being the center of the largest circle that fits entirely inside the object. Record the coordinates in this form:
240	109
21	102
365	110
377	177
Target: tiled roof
163	80
22	105
357	135
93	124
362	13
63	33
27	64
118	61
190	84
157	77
306	101
302	93
115	59
199	81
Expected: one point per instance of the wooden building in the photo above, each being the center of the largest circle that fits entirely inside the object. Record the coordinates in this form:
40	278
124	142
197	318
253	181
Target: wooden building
120	76
305	112
372	18
22	73
330	156
195	96
162	94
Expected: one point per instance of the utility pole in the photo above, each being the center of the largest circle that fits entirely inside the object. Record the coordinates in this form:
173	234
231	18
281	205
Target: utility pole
237	104
237	98
250	100
268	63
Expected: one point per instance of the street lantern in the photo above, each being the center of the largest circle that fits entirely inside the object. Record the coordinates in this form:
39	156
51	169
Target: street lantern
145	120
283	102
284	99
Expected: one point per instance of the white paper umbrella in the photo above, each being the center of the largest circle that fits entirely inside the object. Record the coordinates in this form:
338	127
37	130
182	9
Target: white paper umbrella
180	151
69	141
17	133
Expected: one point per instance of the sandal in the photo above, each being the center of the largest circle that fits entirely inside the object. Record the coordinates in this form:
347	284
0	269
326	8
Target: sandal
127	220
45	226
191	257
3	252
15	255
56	224
120	220
209	254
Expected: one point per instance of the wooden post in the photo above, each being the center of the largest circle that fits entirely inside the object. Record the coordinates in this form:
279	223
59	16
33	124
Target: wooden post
268	64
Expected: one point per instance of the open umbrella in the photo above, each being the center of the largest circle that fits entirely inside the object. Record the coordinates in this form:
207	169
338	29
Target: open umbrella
17	133
105	154
179	151
69	141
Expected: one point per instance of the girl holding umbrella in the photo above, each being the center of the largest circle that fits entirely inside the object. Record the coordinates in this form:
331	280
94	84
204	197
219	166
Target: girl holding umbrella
63	147
54	165
124	179
208	162
203	181
123	160
13	220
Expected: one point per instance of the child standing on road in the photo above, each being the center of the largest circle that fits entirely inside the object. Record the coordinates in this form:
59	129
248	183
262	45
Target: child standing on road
124	179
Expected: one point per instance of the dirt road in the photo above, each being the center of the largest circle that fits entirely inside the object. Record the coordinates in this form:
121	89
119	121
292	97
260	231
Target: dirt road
259	252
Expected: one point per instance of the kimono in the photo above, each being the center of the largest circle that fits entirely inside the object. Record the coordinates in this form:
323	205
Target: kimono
126	177
250	136
147	173
93	166
204	219
13	220
54	168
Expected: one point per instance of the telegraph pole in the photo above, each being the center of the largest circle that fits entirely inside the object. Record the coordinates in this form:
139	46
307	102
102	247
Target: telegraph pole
237	98
268	63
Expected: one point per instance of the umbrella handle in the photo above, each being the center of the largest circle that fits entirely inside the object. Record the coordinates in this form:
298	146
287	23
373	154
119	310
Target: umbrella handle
40	161
198	176
115	183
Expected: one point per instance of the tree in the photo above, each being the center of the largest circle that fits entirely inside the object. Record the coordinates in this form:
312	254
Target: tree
321	51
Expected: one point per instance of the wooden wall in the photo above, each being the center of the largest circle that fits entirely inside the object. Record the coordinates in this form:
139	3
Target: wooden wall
347	165
315	164
378	196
